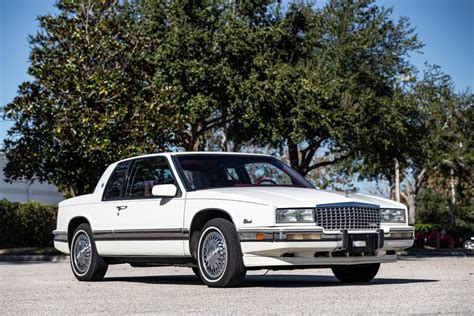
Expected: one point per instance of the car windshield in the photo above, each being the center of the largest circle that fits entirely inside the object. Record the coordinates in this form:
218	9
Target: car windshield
222	171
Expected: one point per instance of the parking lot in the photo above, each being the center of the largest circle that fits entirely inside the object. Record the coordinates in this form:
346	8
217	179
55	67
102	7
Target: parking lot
412	285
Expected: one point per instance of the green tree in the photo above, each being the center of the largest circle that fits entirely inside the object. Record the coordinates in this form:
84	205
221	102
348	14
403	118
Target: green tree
453	172
87	103
438	135
203	53
432	207
324	91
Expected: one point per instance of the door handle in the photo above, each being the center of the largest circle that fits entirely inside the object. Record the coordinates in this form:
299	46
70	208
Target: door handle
121	208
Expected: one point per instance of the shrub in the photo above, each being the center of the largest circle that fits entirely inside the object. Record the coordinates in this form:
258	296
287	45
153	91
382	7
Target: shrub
459	233
26	224
426	228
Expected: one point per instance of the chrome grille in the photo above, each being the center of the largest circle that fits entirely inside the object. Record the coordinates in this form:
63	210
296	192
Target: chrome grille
347	216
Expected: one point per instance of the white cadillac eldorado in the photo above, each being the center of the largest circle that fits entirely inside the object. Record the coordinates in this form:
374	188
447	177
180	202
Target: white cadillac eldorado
223	214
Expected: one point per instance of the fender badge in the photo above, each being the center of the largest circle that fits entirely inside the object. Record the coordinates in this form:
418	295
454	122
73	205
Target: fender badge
247	221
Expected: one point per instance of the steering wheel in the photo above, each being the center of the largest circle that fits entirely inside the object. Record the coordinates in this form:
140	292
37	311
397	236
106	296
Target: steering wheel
266	180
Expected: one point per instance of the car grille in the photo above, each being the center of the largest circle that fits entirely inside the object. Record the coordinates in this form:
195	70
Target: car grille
361	217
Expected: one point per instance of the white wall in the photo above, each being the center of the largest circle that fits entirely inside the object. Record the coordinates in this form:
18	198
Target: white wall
23	191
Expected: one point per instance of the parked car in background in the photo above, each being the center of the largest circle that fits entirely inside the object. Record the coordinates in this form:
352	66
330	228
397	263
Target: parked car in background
469	244
223	214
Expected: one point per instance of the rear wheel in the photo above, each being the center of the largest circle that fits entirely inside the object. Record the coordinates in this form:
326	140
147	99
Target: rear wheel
219	255
360	273
86	263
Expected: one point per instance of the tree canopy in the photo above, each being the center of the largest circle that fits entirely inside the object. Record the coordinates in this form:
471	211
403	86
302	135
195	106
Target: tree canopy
86	104
328	86
322	86
203	53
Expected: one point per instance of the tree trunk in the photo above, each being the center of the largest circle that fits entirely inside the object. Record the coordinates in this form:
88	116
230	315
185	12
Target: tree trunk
411	209
225	141
199	144
294	156
397	180
195	140
196	143
452	204
409	195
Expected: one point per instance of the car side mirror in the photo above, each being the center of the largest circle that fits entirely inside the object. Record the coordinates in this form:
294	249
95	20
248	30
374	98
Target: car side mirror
164	190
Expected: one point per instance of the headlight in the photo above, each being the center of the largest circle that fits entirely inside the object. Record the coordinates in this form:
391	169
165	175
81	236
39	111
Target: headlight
392	215
295	215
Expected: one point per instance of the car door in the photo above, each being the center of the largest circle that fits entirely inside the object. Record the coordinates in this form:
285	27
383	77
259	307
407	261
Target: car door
107	210
146	225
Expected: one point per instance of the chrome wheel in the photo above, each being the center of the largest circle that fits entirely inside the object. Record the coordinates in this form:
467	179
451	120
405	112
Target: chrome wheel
469	244
82	254
214	254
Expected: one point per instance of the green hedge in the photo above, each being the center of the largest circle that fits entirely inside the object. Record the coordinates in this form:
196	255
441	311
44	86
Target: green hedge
427	228
26	224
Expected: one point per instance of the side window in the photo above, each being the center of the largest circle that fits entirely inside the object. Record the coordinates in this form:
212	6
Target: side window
117	180
195	178
146	173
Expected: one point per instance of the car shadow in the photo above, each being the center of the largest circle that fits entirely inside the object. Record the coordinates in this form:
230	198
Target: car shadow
286	280
277	280
161	279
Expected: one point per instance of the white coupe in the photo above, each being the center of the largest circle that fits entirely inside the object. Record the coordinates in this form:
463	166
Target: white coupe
223	214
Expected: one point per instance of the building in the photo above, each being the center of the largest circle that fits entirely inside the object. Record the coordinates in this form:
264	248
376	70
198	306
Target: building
24	191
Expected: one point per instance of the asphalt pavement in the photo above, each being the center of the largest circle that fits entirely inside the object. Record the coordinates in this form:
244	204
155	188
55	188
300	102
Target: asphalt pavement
442	285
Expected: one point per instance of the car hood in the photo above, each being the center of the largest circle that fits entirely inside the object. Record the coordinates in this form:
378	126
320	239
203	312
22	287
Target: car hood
289	196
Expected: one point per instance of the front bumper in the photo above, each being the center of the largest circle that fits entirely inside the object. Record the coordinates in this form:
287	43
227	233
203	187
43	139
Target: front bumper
303	246
60	241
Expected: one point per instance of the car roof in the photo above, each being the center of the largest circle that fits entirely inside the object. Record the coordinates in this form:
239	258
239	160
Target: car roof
186	153
183	153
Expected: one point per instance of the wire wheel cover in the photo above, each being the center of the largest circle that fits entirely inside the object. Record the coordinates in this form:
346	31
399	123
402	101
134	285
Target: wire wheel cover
82	253
214	254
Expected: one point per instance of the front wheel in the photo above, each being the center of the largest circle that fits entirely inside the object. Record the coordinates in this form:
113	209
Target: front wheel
360	273
220	261
196	272
86	263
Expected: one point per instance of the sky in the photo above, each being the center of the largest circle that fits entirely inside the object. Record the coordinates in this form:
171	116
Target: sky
445	26
17	21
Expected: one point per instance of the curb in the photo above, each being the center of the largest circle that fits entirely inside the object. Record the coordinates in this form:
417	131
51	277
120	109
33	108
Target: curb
34	258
